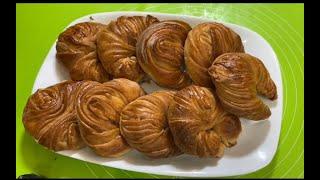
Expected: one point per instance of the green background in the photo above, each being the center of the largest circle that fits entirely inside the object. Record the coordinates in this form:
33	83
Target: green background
282	25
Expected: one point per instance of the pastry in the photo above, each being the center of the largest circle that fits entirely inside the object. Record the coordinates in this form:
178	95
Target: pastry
204	43
50	117
160	53
76	49
144	125
117	46
98	110
239	78
199	125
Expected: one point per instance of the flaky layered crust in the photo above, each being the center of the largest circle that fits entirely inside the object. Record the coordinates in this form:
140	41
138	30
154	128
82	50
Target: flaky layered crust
144	125
76	49
160	53
99	109
199	125
239	78
204	43
117	46
50	117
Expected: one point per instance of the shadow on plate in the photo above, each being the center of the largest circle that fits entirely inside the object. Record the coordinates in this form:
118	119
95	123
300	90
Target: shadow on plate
150	86
268	102
62	73
252	136
272	104
184	161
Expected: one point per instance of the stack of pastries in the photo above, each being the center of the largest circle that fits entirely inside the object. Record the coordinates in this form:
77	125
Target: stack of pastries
209	83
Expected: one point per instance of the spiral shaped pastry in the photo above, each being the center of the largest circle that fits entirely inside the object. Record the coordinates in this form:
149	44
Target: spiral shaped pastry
50	117
99	109
160	53
144	125
76	49
204	43
199	125
239	78
117	46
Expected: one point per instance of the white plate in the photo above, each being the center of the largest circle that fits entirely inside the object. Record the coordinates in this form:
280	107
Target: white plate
257	143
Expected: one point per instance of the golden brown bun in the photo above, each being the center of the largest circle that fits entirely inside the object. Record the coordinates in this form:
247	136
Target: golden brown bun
117	46
50	117
239	78
144	125
204	43
76	49
98	110
199	125
160	53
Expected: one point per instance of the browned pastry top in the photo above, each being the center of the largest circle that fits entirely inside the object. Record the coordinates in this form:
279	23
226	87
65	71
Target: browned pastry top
239	78
50	117
117	46
144	125
99	109
199	125
160	53
76	49
204	43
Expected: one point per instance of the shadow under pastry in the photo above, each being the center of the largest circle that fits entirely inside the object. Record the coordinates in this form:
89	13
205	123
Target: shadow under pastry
246	142
184	161
61	71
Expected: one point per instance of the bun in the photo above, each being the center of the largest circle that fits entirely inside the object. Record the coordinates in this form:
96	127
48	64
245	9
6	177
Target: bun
199	125
204	43
117	46
99	109
76	49
239	78
50	117
144	125
160	53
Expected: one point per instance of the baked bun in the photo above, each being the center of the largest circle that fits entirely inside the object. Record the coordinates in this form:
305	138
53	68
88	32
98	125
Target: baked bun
99	109
239	78
76	49
204	43
199	125
50	117
117	46
160	53
145	127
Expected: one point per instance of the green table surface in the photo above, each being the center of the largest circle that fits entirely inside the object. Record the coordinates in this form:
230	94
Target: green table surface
282	25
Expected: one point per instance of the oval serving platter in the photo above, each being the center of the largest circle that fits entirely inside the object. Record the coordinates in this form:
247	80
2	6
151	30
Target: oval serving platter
257	143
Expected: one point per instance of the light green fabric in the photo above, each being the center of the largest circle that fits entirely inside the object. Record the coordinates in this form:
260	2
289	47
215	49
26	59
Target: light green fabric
282	25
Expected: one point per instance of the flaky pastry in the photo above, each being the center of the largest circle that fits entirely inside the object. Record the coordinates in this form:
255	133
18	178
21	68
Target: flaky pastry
239	78
76	49
50	117
98	110
204	43
144	125
117	46
160	53
199	125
